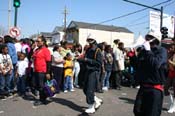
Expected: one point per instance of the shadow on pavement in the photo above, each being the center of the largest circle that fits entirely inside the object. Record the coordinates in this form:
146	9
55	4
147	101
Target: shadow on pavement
85	114
127	100
68	103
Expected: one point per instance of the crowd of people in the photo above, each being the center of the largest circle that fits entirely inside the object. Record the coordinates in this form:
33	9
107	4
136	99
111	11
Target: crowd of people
30	66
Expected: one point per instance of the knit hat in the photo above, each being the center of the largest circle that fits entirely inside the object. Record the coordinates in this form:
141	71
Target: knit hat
155	34
91	41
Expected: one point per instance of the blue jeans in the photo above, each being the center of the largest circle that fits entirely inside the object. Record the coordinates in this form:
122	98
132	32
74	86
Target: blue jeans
21	84
106	79
4	82
68	83
12	79
76	72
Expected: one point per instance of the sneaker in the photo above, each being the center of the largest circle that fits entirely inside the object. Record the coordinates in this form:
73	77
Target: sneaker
91	109
10	95
77	86
97	104
105	88
138	87
72	90
65	91
54	96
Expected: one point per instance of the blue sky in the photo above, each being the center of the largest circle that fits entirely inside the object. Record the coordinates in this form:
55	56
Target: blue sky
43	15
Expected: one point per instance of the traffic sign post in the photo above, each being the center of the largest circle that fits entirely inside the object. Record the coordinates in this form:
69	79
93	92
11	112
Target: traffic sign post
14	32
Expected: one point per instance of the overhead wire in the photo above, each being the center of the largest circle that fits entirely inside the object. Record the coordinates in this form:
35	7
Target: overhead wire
128	25
128	14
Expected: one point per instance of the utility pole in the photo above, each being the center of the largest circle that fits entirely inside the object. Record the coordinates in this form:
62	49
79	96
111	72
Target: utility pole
9	14
65	22
65	18
160	10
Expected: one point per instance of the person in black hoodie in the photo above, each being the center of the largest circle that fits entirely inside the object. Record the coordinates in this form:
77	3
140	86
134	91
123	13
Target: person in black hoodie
151	72
93	62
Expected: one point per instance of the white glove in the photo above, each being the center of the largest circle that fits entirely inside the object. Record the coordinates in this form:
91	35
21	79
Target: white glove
146	45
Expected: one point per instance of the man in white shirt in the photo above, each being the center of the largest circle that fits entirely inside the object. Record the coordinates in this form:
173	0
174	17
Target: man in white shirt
119	61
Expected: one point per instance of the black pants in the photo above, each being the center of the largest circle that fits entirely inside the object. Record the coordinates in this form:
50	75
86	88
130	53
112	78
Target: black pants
39	80
118	78
90	85
169	83
150	103
57	75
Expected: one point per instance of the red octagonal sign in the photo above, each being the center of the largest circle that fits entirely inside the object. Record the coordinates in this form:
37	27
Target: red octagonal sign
15	32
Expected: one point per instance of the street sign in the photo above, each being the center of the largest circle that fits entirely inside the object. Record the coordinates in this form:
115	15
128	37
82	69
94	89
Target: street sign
15	32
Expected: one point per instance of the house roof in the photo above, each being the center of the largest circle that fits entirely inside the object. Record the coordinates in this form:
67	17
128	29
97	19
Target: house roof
77	24
58	29
46	34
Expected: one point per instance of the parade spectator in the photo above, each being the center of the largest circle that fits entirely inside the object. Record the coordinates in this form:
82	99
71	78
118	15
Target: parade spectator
68	73
12	52
108	67
152	67
101	74
18	47
21	68
76	69
57	65
93	61
42	67
25	48
119	58
171	79
6	68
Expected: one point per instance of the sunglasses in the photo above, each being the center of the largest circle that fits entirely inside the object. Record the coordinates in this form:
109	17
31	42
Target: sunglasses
38	41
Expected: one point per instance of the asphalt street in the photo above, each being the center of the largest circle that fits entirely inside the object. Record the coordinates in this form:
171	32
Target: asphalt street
115	103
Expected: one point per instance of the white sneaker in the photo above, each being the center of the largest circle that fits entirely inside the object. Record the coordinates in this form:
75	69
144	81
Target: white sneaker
90	109
98	99
105	88
138	87
172	108
97	104
54	96
72	90
65	91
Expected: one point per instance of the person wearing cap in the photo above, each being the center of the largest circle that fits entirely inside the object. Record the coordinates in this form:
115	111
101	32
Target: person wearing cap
93	62
152	67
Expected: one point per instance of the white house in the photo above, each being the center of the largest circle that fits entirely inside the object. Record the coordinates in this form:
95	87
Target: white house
57	35
80	31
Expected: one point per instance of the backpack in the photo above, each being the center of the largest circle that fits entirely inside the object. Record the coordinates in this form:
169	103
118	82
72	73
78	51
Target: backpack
96	51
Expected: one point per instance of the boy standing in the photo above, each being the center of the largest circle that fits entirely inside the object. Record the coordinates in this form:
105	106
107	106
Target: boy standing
21	65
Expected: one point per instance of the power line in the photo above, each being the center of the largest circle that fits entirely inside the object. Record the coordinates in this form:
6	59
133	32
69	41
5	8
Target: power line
125	15
169	4
138	23
136	20
145	16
